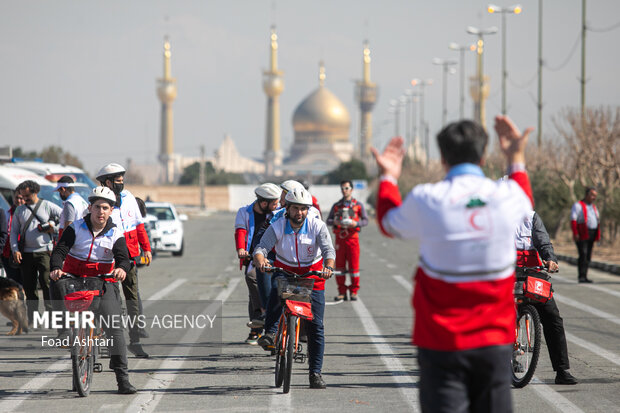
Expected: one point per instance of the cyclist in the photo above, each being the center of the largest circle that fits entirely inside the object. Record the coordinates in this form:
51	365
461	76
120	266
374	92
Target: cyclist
532	242
93	246
247	222
347	217
126	216
317	254
463	298
74	206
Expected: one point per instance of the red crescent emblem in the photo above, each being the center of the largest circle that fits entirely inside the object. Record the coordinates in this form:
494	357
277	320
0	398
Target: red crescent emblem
472	221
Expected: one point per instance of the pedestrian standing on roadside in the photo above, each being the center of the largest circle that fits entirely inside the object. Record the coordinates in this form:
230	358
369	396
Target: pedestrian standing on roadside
8	262
74	206
586	228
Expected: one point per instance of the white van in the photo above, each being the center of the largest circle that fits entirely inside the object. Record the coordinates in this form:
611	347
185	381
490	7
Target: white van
10	177
54	171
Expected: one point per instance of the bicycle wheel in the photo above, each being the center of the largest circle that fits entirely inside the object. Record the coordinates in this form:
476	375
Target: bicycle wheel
280	350
292	325
81	360
527	345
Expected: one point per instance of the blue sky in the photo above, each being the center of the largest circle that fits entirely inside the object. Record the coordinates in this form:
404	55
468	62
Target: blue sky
82	74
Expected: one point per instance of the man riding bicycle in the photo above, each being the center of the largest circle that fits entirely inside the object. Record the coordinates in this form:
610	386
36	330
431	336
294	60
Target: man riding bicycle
93	246
301	245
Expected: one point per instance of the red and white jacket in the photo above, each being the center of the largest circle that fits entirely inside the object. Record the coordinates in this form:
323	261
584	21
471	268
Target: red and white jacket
527	256
128	218
300	251
579	221
80	253
463	296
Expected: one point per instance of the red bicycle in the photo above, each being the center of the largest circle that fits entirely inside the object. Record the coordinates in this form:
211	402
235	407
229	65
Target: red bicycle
295	292
532	287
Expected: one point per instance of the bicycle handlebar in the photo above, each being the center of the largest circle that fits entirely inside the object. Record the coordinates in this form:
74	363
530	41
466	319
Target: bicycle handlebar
293	275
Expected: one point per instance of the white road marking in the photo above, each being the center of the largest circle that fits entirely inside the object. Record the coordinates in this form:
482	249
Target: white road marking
281	402
389	359
555	399
590	286
13	401
110	407
164	291
401	280
589	309
148	401
597	350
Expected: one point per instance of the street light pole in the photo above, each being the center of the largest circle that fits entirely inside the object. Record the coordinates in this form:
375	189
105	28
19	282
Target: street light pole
583	61
516	9
480	49
446	64
423	128
540	65
461	50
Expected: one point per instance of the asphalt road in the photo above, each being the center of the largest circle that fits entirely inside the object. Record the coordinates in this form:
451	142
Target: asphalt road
369	364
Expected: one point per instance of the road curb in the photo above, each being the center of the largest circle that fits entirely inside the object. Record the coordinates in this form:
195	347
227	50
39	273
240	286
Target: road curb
599	265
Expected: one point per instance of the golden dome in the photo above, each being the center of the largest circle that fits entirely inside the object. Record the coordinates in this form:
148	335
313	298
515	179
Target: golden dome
322	115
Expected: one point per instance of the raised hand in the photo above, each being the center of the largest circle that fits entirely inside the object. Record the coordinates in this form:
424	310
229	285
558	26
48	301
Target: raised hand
511	141
390	162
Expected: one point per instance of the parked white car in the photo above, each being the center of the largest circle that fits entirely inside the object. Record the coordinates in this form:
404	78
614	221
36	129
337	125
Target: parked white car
169	227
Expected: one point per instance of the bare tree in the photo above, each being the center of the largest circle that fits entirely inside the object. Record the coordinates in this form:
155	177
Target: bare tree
591	156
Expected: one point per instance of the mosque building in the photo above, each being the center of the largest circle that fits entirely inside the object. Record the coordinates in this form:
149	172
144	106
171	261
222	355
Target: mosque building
321	125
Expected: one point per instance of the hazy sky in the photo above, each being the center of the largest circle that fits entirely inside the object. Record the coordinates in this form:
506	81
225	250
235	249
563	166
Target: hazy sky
82	74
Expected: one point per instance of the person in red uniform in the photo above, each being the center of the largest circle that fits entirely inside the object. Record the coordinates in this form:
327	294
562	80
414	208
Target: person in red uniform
463	296
586	228
347	217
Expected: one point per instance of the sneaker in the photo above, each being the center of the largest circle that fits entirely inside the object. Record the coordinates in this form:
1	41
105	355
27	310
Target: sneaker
585	280
340	297
252	339
124	387
564	377
256	323
137	350
316	381
353	297
266	341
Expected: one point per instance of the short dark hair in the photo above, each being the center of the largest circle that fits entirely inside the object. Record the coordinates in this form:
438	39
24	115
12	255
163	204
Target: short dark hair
347	181
30	185
66	179
141	206
462	142
590	189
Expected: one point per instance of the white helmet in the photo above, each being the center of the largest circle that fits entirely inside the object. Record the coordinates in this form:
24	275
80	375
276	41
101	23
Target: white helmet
102	192
299	196
110	169
268	191
290	185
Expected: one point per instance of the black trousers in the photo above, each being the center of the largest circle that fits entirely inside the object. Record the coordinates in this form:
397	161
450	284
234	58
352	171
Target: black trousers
466	381
132	301
584	249
110	306
35	268
553	329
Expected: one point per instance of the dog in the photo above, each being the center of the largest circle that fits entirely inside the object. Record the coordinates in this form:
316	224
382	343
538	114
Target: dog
13	305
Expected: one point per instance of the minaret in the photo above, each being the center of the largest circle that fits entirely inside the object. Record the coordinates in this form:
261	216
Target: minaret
273	85
167	92
366	95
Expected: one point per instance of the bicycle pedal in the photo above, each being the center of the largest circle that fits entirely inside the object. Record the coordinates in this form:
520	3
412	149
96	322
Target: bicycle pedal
97	367
300	358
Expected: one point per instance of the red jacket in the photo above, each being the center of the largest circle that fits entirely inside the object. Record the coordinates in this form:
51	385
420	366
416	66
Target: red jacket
580	230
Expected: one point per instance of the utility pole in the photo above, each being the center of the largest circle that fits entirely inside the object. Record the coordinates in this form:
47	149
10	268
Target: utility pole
201	177
540	66
583	61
